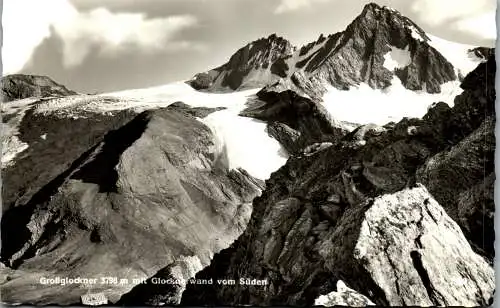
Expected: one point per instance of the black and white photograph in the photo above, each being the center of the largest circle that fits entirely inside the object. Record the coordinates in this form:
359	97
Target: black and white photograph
260	153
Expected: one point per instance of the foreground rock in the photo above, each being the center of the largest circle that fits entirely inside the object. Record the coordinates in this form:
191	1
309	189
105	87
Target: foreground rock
400	249
150	193
406	251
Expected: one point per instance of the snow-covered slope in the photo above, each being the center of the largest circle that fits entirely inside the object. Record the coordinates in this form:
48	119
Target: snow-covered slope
364	105
458	54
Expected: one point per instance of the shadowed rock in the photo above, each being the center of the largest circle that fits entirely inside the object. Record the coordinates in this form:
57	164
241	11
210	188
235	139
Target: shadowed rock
295	121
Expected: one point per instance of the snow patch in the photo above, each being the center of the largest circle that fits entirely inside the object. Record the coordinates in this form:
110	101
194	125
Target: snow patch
397	58
11	146
364	105
247	143
163	96
416	35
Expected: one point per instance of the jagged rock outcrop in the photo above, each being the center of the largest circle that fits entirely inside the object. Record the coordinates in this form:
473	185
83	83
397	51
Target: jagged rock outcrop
461	177
377	47
400	249
295	121
251	66
19	86
299	83
356	212
151	192
482	52
406	251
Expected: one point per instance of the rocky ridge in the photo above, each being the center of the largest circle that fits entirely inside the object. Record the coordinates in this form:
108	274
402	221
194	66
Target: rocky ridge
378	48
251	65
19	86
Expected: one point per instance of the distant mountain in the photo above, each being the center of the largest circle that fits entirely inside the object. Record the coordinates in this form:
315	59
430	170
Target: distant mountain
19	86
377	46
251	66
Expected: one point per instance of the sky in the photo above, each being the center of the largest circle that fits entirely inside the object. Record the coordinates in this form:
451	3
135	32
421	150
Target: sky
96	46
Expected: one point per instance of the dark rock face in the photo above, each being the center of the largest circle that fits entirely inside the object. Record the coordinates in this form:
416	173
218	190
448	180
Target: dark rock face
356	55
20	86
45	159
356	212
483	52
141	195
295	121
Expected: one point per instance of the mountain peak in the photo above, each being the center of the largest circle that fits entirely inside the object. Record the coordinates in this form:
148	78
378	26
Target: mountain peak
389	19
258	57
371	7
378	9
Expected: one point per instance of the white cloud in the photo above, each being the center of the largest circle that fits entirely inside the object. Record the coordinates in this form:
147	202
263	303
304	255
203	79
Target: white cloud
483	25
293	5
115	32
437	12
474	16
25	29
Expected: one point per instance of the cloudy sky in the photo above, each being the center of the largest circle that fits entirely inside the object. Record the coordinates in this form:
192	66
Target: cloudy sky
106	45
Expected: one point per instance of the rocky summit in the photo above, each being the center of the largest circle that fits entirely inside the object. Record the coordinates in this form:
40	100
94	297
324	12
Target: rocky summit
250	66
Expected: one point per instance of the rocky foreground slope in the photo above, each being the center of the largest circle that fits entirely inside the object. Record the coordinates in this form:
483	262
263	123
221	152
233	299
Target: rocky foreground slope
120	195
394	212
